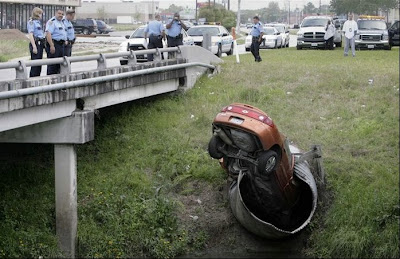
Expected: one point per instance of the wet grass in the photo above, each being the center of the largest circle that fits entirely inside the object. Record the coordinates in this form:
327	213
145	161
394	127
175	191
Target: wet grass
127	176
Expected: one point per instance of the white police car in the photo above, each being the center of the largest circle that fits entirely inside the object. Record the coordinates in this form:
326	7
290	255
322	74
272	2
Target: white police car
272	39
221	40
136	41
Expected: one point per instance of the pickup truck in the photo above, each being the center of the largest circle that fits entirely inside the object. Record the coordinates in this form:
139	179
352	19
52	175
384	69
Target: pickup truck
372	33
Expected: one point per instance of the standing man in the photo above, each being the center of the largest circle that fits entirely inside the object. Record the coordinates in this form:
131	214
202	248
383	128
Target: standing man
175	37
257	33
350	29
329	35
56	36
69	17
36	38
155	32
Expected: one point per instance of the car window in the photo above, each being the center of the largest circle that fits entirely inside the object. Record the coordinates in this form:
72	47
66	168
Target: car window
280	28
199	31
317	22
371	25
395	26
269	31
138	33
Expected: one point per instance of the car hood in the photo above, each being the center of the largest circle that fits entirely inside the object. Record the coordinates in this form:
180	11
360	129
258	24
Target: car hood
268	37
311	29
372	31
135	41
200	38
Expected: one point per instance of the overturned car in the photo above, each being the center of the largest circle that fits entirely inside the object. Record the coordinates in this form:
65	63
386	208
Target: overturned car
274	189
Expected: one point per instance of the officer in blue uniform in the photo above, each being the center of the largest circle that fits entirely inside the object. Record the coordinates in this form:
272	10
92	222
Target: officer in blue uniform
69	17
155	32
56	35
257	33
36	38
175	37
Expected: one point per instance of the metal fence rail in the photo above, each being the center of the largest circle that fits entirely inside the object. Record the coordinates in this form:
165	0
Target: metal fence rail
96	80
65	62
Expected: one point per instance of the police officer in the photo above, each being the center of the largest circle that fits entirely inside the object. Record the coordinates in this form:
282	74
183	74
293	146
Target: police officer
36	38
257	33
68	18
56	36
175	37
155	32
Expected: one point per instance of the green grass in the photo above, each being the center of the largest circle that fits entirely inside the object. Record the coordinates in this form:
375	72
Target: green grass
10	49
124	27
147	153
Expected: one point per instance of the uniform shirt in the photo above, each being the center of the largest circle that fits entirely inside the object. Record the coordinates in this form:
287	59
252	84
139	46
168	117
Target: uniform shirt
35	27
175	29
154	28
70	29
257	29
349	28
57	29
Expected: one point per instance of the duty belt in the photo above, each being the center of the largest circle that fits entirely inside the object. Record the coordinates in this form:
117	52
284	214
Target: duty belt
59	41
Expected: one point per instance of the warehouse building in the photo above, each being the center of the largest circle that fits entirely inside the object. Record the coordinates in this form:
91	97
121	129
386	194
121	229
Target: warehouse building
14	14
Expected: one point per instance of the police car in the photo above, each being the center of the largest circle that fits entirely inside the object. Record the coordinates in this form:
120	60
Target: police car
283	30
221	40
272	39
136	41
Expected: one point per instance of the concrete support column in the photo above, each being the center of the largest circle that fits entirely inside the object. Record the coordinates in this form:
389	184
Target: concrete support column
66	197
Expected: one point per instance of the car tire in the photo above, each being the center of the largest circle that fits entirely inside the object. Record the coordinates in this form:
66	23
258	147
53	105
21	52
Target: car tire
287	45
213	147
388	47
219	53
86	31
230	52
338	44
276	44
268	161
298	48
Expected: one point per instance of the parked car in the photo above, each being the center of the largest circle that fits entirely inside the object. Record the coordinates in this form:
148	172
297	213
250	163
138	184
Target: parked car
136	41
249	25
272	39
273	191
103	28
283	30
85	26
394	32
221	40
372	33
312	32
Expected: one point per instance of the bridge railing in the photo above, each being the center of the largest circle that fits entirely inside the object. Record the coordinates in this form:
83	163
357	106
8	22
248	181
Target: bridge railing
65	62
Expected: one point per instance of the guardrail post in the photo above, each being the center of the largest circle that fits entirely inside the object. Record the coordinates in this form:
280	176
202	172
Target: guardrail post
65	68
21	71
101	62
132	60
179	53
157	55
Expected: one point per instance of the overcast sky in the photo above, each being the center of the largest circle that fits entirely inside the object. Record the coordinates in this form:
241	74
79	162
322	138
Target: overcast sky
245	4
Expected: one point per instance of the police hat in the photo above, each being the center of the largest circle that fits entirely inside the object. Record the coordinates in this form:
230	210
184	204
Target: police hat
70	11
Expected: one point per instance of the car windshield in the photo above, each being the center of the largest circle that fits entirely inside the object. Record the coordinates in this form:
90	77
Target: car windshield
280	28
318	22
139	33
269	31
199	31
371	25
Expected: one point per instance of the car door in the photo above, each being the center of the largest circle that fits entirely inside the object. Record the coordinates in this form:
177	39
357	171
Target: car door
226	39
394	33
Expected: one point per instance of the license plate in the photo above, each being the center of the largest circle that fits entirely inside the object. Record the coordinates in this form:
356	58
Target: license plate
371	46
314	44
236	120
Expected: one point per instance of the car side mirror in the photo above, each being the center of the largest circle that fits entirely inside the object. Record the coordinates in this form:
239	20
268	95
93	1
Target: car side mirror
246	34
277	33
127	36
224	34
287	31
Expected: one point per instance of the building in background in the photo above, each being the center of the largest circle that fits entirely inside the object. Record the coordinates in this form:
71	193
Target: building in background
118	12
14	14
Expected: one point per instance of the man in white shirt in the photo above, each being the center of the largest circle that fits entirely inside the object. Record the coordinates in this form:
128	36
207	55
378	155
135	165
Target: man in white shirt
350	29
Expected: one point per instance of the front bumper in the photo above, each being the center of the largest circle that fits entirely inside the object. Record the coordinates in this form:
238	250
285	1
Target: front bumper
310	44
363	44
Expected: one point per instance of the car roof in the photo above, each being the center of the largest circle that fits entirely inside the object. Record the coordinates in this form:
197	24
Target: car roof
316	17
206	25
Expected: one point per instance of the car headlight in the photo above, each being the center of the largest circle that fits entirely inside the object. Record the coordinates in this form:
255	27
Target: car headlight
300	35
385	37
357	36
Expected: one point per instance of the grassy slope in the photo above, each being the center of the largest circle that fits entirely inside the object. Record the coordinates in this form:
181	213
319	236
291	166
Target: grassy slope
10	49
153	146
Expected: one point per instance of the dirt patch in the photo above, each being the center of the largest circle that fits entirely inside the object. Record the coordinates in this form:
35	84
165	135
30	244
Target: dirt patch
12	34
207	209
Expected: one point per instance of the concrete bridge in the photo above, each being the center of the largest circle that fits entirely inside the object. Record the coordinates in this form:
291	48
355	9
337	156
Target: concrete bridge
59	109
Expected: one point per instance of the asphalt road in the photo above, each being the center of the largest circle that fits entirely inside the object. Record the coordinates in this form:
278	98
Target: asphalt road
114	40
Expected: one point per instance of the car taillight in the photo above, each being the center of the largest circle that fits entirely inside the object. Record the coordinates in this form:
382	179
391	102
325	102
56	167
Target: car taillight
249	113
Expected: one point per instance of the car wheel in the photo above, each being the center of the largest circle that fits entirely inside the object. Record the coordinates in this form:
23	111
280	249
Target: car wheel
276	44
213	147
338	44
219	53
86	31
268	162
388	47
287	45
230	52
298	47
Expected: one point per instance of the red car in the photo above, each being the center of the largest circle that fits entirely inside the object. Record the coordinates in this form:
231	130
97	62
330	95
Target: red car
254	152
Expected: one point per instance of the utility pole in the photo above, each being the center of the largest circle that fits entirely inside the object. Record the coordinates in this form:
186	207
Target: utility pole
238	19
196	11
289	15
320	8
229	4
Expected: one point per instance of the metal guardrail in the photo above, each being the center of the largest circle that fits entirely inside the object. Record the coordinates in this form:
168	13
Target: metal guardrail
65	62
96	80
